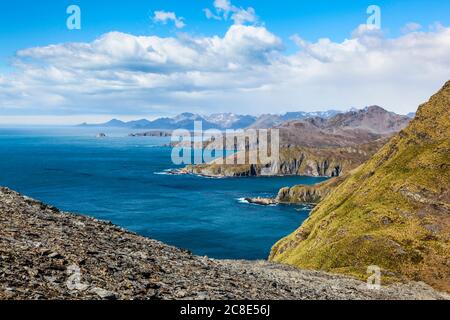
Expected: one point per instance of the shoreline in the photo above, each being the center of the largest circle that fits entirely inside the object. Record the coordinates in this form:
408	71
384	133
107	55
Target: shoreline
185	172
260	201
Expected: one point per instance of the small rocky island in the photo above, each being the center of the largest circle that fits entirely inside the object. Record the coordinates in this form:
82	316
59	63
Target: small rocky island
49	254
262	201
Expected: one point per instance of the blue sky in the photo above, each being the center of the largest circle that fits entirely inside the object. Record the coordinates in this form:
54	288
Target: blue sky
26	24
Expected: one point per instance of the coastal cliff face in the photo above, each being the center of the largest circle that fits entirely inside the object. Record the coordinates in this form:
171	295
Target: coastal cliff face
327	162
48	254
309	194
393	211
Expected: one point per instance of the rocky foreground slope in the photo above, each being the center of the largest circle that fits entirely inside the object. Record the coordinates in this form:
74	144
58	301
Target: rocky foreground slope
47	254
393	211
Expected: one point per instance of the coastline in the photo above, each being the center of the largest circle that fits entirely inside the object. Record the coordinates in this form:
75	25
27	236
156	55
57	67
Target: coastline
48	247
187	172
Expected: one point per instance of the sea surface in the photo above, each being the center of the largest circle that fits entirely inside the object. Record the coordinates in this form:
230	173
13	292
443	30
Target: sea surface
122	179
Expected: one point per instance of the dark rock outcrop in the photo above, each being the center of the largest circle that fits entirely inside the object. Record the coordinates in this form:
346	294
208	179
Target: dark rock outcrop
262	201
308	194
151	134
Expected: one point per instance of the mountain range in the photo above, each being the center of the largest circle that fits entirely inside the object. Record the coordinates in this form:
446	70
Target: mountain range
343	129
319	146
219	121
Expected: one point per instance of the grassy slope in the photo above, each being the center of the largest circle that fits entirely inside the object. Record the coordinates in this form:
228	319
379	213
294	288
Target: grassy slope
393	211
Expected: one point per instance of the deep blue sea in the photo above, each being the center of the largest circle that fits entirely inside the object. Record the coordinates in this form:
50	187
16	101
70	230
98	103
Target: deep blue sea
118	178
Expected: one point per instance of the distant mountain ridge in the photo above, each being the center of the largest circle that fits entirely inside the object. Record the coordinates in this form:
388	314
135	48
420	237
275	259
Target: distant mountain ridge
219	121
272	120
344	129
373	120
184	120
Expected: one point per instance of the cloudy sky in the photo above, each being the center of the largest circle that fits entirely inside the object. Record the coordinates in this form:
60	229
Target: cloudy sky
134	59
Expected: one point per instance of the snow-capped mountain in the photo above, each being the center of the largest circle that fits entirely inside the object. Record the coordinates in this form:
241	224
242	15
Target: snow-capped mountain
304	115
273	120
231	120
219	121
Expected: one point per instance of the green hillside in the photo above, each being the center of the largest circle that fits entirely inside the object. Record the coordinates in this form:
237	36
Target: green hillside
393	211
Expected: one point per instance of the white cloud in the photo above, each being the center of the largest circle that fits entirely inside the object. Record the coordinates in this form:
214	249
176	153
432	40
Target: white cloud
164	17
225	10
243	71
242	16
210	15
411	27
223	5
116	52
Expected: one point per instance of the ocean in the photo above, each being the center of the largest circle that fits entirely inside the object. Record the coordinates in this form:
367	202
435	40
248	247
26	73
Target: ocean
122	179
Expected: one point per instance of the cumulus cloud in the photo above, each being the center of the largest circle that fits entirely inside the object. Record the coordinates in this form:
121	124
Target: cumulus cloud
246	71
164	17
225	10
246	46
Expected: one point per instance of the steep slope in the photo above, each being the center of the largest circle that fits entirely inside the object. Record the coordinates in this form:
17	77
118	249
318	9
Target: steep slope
48	254
393	211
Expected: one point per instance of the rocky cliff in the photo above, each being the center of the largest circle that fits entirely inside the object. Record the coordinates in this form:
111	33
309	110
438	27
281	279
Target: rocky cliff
309	194
393	211
48	254
328	162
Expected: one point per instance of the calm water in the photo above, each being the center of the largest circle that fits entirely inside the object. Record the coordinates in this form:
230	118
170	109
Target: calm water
119	179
